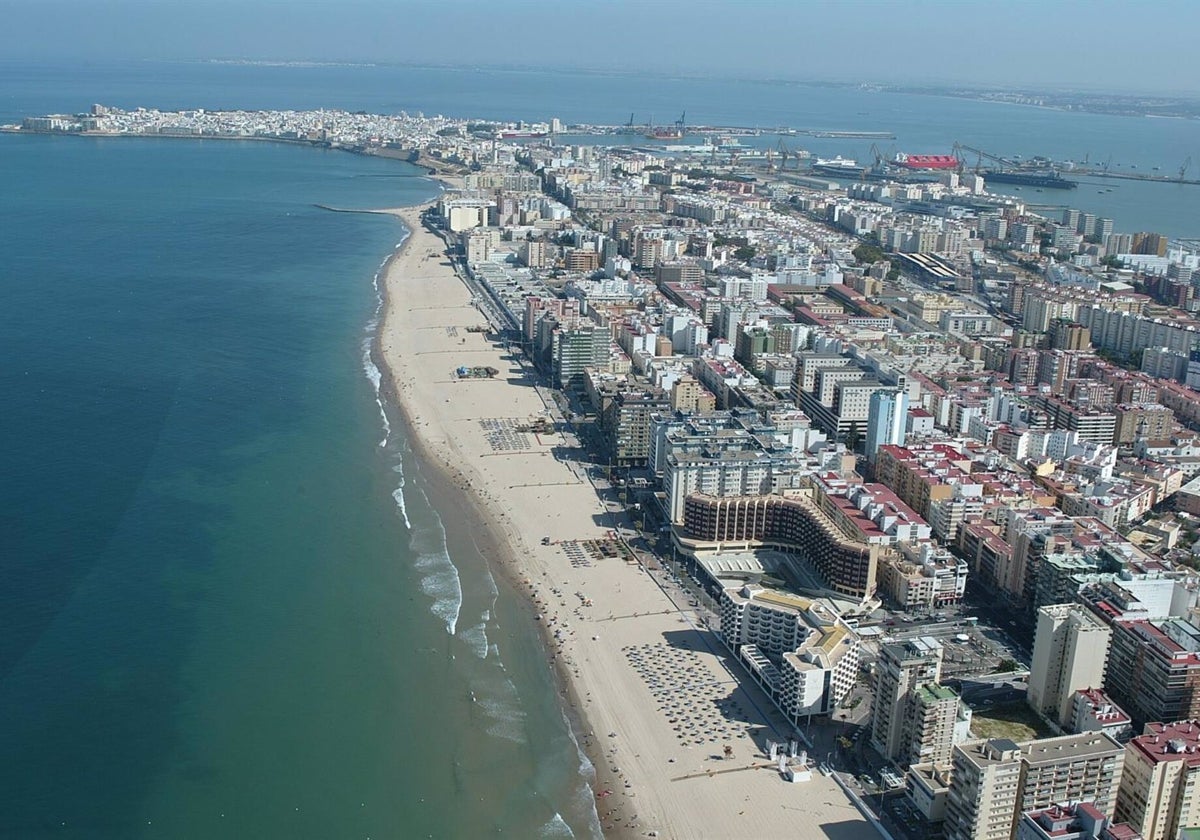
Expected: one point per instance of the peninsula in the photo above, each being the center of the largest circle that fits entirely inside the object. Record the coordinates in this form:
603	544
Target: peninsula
839	491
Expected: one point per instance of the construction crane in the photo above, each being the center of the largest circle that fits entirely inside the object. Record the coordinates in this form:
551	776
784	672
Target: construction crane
959	148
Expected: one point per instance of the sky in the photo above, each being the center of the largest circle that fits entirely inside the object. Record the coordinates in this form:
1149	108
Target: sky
1117	45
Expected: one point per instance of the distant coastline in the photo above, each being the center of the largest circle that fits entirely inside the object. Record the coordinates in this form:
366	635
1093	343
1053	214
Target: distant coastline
432	168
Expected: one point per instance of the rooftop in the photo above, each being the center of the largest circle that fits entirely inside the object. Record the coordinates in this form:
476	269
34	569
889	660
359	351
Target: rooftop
1161	742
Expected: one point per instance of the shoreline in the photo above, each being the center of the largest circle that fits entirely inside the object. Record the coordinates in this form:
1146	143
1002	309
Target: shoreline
650	696
450	486
429	169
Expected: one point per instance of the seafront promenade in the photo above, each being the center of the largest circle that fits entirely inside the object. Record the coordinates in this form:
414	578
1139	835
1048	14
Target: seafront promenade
655	703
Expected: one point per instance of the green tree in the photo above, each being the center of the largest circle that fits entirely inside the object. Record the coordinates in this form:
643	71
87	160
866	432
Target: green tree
853	436
745	253
865	253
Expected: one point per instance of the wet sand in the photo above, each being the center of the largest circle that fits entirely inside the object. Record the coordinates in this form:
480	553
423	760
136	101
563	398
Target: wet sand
653	704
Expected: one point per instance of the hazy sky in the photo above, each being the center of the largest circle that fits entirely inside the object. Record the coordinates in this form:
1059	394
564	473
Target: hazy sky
1149	45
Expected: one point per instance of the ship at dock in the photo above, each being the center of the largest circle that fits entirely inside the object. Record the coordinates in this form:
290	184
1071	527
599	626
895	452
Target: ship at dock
519	134
1036	172
837	166
1048	180
675	131
908	161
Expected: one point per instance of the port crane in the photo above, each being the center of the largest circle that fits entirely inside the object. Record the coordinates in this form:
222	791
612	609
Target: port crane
784	153
959	148
1184	168
662	133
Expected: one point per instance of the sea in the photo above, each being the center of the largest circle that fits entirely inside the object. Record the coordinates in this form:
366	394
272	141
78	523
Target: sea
233	603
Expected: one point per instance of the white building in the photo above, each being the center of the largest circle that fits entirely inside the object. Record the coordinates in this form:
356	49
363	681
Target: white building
799	650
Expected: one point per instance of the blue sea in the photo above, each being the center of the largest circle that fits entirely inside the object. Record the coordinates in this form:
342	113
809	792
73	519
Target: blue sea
232	603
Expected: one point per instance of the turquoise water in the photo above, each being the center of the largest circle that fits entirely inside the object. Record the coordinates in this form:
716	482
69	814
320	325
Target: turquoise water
218	620
227	610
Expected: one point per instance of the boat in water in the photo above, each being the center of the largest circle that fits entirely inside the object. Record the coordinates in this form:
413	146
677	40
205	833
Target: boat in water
667	132
1051	180
926	161
837	166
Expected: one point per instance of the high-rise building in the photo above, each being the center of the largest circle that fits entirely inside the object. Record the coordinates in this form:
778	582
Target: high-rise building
1154	669
886	418
576	346
688	395
1069	652
1119	243
1160	787
476	244
582	259
1154	244
1067	335
532	253
994	782
985	790
932	716
901	668
995	228
627	426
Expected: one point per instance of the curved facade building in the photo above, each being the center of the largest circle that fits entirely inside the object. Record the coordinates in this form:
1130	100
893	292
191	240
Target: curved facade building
794	523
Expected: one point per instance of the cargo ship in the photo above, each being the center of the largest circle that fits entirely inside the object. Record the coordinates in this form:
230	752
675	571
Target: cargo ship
667	132
1050	180
926	161
520	134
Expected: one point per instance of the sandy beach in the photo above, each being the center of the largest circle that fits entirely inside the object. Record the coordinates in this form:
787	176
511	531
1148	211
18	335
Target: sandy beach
654	700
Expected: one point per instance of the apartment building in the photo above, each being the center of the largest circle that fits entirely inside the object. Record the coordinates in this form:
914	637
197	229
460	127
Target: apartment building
1078	821
627	425
1070	649
993	782
1154	669
799	650
901	668
1160	788
795	524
